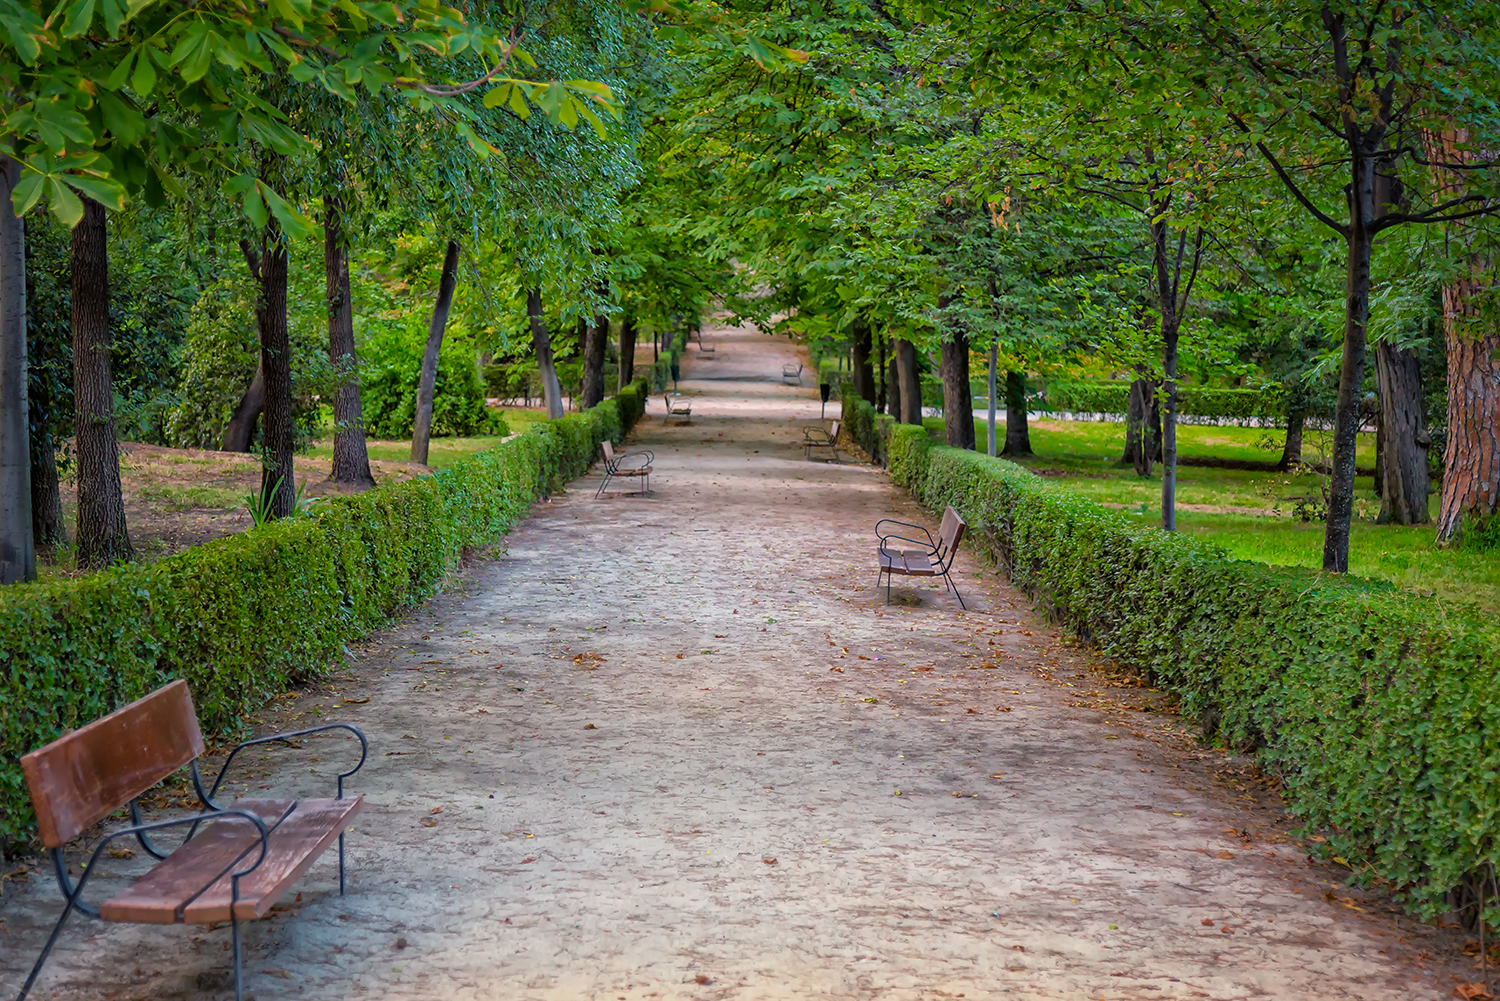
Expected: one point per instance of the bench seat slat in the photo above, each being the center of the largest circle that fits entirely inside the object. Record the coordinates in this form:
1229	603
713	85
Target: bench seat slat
301	838
907	562
158	897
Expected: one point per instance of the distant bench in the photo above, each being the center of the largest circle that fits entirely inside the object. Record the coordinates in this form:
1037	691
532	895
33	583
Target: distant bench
678	406
236	861
933	559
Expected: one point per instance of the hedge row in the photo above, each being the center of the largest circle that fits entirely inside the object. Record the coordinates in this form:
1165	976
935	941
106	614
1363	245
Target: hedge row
1267	403
661	371
242	617
1379	709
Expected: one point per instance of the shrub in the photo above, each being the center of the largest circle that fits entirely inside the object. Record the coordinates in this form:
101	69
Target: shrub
391	362
1380	710
1268	403
242	617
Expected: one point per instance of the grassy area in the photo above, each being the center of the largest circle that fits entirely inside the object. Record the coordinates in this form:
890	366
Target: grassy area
1251	513
440	451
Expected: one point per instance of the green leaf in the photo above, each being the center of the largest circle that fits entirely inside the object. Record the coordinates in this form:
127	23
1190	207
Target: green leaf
255	207
518	103
497	96
64	204
110	194
28	191
123	121
594	120
76	21
550	98
144	80
288	10
121	72
296	225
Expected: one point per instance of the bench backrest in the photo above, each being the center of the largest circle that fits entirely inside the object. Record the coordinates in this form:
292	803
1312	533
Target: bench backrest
82	777
834	434
609	450
951	532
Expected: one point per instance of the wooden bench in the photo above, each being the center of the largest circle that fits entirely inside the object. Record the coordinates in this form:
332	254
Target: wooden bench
678	406
236	861
819	437
613	467
789	373
933	559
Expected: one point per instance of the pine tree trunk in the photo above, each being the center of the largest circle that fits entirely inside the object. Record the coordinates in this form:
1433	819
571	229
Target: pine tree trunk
278	432
1017	431
1404	443
595	350
351	457
17	554
627	351
541	343
1471	460
910	382
427	381
102	536
864	373
958	400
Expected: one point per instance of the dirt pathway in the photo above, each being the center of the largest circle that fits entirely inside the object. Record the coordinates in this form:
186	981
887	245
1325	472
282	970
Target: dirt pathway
678	747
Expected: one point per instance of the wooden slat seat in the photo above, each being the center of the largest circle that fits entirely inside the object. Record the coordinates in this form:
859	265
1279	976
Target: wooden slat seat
263	844
614	467
907	563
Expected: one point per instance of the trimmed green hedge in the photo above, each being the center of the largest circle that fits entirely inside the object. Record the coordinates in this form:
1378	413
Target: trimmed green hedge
661	371
242	617
1379	709
1192	401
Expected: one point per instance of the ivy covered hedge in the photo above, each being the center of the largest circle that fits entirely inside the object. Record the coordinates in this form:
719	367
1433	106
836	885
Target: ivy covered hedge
242	617
1379	709
1268	403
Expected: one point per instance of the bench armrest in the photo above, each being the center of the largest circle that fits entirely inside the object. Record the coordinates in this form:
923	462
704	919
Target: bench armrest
901	538
903	524
364	752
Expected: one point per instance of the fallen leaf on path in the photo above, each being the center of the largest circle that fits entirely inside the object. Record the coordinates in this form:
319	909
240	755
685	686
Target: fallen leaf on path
838	669
277	973
1473	992
526	860
401	943
1208	921
357	702
1225	855
768	860
437	809
590	726
701	978
679	656
1002	709
1019	948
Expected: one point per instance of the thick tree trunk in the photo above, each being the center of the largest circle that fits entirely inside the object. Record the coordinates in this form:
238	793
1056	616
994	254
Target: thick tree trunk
1135	423
47	528
893	383
1017	431
627	351
1296	417
958	400
1153	433
883	380
421	432
541	343
1471	460
910	382
17	554
1346	417
1404	443
102	536
351	457
595	348
240	430
1142	437
278	434
864	373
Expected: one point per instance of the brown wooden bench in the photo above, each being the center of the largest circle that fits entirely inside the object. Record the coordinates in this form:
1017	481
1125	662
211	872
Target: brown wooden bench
819	437
614	466
933	559
236	861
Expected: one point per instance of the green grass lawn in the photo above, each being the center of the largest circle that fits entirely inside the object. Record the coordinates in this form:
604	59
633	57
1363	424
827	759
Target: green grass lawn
1250	513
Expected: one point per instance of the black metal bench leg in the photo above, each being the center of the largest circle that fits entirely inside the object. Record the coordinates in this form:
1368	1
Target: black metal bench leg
239	973
955	593
46	950
341	863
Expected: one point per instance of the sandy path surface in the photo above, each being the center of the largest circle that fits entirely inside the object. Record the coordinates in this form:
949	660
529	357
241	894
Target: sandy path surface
678	747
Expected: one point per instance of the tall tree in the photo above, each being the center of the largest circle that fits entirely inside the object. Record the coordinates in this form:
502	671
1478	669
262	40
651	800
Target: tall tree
627	350
1404	441
351	457
278	431
541	345
427	380
17	554
102	535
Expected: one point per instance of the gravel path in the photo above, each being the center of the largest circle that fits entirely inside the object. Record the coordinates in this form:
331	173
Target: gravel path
678	747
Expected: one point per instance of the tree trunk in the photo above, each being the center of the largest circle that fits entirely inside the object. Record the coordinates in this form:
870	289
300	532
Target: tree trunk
910	411
102	536
541	343
1135	423
1169	427
893	383
421	431
47	528
1471	460
1404	443
278	432
17	555
351	458
958	401
627	351
42	355
1017	431
240	430
990	390
1296	417
864	373
1346	417
882	390
1152	438
595	348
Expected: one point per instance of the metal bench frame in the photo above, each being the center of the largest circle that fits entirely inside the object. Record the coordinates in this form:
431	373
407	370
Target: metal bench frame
614	467
934	559
814	436
680	409
209	811
788	373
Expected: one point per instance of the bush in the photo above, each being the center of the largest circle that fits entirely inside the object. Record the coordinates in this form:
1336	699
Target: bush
242	617
391	362
1380	710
